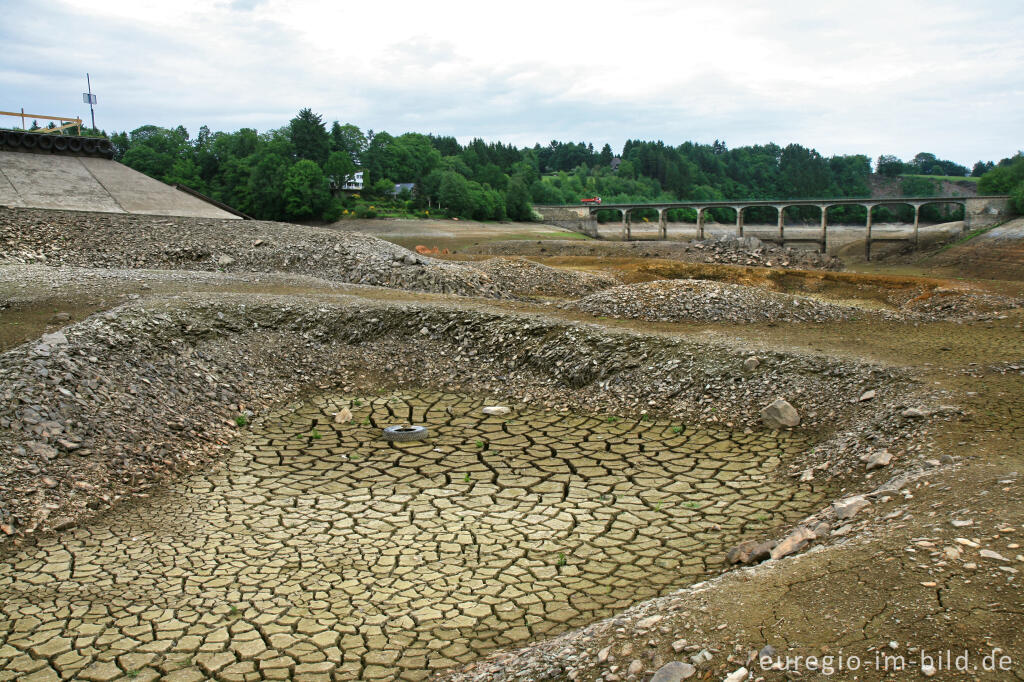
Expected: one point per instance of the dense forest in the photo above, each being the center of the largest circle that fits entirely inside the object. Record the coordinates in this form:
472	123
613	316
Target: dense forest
296	172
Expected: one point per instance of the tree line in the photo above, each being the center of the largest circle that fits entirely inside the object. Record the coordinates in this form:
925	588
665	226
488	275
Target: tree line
296	172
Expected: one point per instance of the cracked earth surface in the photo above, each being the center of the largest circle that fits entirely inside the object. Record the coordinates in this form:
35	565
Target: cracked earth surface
319	551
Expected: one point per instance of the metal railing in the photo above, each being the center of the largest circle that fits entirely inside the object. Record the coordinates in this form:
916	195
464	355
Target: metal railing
66	122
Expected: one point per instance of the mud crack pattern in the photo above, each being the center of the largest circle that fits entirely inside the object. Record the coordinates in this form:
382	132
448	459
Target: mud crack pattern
319	551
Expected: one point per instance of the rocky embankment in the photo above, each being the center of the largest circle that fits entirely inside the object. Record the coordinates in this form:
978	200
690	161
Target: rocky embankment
726	249
697	300
708	301
102	240
523	278
93	412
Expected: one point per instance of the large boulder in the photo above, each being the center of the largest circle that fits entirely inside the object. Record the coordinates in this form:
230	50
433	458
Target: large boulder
780	414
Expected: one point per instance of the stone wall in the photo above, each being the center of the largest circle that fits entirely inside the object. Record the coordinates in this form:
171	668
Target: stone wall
569	218
984	211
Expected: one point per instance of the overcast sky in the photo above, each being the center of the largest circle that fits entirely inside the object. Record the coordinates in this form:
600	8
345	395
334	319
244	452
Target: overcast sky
896	77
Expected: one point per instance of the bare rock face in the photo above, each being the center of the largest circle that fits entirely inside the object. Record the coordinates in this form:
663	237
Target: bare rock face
780	414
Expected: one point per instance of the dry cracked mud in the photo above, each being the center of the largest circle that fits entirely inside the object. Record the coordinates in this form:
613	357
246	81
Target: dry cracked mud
320	551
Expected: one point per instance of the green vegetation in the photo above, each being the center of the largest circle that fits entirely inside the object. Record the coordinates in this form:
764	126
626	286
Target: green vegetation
1006	178
561	559
296	172
922	164
241	420
314	434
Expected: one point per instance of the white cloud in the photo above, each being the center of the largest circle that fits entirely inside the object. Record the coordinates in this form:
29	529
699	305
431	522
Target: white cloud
866	77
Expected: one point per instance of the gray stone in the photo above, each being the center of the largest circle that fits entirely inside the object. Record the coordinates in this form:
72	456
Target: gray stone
793	542
878	460
866	396
225	260
55	339
913	413
702	656
779	414
648	622
674	672
737	675
751	363
750	552
989	554
497	410
848	508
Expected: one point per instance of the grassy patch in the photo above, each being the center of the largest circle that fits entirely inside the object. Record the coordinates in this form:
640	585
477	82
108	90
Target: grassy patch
948	178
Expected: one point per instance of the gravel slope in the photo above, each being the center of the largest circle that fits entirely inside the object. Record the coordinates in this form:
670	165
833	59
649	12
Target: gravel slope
136	242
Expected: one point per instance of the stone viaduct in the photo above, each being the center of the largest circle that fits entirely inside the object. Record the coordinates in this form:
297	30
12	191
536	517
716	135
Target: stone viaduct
978	212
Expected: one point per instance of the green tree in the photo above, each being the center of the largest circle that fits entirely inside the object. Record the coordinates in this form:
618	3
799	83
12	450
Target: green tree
889	166
517	200
1004	177
454	194
349	139
309	137
184	171
383	188
265	185
338	167
306	193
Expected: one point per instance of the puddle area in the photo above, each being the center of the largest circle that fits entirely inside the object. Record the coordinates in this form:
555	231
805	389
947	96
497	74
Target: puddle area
318	549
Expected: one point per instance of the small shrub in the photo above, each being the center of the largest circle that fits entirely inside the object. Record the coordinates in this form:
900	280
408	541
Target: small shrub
241	420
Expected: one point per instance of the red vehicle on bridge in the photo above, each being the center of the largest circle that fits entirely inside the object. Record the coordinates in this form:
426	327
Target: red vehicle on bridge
591	200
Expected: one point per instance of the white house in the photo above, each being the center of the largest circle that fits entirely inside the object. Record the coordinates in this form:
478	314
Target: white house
353	183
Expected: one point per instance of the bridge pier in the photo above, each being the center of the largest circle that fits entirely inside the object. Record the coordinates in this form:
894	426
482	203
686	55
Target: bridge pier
739	221
700	223
782	222
662	223
824	229
917	222
867	239
627	231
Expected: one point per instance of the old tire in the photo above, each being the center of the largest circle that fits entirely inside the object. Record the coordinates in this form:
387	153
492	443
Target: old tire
401	434
60	144
89	146
75	144
46	143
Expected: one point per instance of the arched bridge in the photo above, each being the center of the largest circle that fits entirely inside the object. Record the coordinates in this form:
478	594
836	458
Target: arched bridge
977	211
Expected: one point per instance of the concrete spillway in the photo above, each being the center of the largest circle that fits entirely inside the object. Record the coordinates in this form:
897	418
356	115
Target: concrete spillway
92	184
